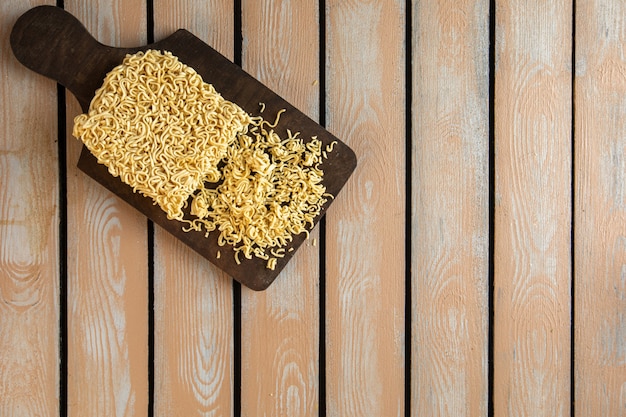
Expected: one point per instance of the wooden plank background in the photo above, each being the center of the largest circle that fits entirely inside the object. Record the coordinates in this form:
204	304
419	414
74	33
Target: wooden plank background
473	264
533	214
450	209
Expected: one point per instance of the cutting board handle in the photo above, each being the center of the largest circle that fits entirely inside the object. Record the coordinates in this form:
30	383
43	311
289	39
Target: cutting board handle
52	42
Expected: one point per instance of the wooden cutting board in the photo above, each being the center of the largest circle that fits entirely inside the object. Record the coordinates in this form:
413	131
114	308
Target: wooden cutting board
54	43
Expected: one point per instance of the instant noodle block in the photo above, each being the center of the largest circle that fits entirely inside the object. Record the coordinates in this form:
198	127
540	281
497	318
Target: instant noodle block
239	175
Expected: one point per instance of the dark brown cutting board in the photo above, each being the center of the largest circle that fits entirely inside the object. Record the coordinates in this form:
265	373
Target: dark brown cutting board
54	43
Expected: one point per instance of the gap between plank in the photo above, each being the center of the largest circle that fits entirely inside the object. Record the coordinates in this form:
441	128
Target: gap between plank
62	189
322	223
237	58
62	185
573	219
491	198
408	209
151	376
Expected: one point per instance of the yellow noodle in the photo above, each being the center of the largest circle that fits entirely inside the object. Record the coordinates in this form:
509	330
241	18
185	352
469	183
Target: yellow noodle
165	132
189	127
271	263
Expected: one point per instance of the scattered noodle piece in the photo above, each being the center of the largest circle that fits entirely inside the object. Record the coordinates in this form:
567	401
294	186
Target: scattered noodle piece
172	137
271	263
272	190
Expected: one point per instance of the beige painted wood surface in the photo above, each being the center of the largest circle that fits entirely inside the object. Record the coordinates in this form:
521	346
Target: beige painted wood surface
107	277
450	209
532	248
193	300
365	272
280	327
407	85
29	216
600	208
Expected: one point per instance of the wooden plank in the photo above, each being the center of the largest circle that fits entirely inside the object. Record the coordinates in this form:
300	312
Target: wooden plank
193	306
532	259
29	234
280	327
600	209
107	261
450	213
365	259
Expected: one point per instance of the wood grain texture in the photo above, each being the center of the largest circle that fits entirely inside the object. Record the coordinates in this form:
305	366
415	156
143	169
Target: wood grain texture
365	259
107	261
193	333
450	214
29	249
600	208
193	303
532	259
194	368
280	326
